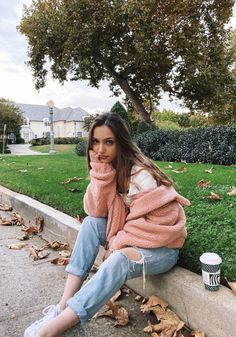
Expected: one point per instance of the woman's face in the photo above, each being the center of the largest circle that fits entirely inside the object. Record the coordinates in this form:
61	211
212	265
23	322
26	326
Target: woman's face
104	144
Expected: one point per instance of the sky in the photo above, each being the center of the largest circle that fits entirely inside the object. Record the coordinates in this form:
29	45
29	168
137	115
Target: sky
16	81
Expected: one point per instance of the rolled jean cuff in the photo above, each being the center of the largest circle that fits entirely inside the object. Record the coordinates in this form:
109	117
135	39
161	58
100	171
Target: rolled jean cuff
74	271
78	309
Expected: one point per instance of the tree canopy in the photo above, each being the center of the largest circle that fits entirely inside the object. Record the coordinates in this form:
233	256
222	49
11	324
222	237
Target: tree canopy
143	47
10	116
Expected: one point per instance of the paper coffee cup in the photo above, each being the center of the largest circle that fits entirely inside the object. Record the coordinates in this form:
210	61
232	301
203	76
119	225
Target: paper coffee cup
211	270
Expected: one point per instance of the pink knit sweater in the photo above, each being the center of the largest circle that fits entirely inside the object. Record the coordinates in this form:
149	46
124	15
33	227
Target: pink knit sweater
155	218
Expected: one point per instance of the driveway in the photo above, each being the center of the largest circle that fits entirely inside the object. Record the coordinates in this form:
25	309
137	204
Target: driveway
23	149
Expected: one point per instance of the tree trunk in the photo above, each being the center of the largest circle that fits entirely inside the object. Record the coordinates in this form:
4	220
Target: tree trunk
132	96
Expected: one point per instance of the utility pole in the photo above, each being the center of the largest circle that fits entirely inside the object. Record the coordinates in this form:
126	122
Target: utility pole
3	139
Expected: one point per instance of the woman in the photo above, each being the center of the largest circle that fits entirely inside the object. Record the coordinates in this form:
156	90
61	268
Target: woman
133	211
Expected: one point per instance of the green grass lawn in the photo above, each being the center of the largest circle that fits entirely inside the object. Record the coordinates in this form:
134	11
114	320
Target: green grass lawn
211	224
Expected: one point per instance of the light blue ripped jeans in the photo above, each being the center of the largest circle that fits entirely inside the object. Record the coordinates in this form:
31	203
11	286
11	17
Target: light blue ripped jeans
113	272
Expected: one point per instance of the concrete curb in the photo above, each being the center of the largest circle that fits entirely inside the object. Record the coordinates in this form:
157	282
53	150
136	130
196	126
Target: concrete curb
211	312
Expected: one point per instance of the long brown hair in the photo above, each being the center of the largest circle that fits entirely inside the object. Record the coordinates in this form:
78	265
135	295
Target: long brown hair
128	153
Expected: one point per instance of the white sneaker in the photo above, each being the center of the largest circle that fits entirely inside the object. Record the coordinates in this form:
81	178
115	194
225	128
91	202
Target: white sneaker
49	312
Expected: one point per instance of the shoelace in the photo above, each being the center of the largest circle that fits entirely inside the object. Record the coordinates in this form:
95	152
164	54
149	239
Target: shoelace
49	309
46	311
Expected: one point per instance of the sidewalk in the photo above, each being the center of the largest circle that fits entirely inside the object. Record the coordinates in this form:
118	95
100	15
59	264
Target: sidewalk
211	312
26	287
23	150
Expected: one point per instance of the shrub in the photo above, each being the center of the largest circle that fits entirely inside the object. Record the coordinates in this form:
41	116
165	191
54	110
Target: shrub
81	147
216	145
58	140
6	149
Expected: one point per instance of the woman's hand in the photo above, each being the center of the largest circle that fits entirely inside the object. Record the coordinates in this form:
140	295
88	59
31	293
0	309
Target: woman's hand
94	157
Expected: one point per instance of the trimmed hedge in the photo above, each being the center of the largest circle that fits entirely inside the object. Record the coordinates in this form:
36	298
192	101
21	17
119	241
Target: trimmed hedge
59	140
216	145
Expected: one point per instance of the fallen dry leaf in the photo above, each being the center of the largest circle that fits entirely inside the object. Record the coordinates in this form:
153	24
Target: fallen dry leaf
5	222
126	290
204	183
153	302
61	261
43	255
30	230
213	196
65	253
210	170
232	191
138	298
180	169
23	171
40	168
169	167
198	333
69	180
18	219
73	190
117	312
59	245
39	221
23	237
5	208
79	218
16	245
33	252
115	296
184	161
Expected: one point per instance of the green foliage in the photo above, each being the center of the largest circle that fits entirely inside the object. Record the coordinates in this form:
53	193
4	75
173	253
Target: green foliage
81	147
141	47
58	140
174	120
87	122
216	144
142	127
168	125
11	116
120	110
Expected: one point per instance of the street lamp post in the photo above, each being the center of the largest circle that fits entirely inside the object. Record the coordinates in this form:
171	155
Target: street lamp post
50	105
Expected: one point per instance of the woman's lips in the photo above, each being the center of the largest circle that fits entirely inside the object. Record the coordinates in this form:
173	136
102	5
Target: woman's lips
103	157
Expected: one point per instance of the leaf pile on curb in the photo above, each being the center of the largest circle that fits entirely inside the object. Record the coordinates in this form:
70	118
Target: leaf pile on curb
168	323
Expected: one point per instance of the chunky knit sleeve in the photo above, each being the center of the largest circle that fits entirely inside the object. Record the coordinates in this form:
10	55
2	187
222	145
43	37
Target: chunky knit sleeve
101	190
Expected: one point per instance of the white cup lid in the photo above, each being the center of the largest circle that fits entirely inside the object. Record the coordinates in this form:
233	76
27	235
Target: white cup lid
210	258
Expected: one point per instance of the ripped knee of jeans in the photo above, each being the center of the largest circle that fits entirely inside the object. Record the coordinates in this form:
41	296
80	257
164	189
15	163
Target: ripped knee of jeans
132	254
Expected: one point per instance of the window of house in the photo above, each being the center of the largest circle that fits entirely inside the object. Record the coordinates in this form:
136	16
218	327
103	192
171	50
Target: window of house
46	122
79	134
25	121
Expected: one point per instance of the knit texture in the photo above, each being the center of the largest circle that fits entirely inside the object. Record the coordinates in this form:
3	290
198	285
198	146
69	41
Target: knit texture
155	218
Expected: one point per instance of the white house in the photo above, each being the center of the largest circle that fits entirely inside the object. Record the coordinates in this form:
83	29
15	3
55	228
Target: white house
67	122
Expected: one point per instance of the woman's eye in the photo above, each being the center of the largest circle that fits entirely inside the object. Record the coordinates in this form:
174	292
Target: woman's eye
94	141
109	142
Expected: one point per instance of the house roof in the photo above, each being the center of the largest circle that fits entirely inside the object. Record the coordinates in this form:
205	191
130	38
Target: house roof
39	112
